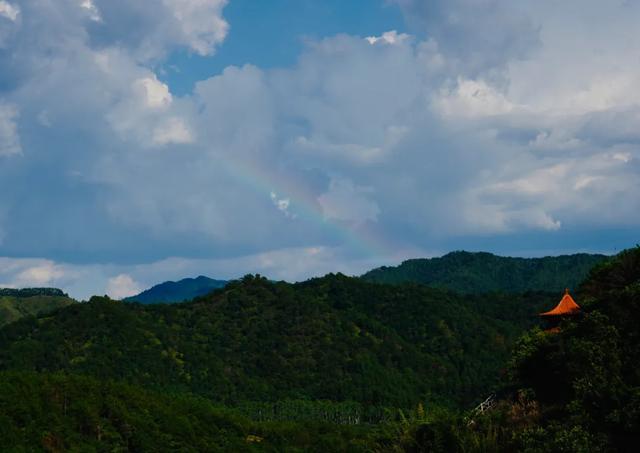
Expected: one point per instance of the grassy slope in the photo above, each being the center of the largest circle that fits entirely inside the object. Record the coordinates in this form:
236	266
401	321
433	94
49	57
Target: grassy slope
14	308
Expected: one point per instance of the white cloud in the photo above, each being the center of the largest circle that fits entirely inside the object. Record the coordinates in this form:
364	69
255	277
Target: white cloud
21	273
472	98
530	218
173	130
237	111
623	157
39	275
346	202
145	113
473	129
200	22
539	181
389	37
282	204
478	37
122	286
155	94
9	138
9	10
92	10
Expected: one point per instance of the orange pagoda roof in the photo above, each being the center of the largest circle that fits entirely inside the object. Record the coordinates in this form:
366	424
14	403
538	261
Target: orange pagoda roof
567	306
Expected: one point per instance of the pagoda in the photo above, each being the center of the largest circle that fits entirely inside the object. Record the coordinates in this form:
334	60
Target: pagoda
566	308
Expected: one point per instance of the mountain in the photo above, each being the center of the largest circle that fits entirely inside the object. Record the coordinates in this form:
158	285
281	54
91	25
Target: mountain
330	364
185	289
333	338
574	388
18	303
481	272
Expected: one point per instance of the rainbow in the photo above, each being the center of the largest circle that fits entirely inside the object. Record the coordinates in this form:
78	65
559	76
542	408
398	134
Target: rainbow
306	207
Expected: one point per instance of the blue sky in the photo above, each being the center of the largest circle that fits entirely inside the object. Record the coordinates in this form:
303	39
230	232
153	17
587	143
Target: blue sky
159	139
272	34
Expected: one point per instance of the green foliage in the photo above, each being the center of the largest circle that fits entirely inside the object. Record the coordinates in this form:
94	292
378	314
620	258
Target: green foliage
586	376
16	304
334	338
342	413
30	292
331	364
59	412
559	438
576	390
467	272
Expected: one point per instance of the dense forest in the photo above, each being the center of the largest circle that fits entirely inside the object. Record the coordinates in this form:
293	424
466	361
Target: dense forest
479	272
58	412
585	380
331	364
336	338
576	389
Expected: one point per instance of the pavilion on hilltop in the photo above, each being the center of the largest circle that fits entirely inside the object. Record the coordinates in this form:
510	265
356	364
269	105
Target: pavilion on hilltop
566	308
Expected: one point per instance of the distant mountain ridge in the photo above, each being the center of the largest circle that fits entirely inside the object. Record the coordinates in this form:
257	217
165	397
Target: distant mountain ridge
180	291
481	272
333	338
30	292
336	363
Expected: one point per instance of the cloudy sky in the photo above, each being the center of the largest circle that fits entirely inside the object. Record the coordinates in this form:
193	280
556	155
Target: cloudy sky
149	140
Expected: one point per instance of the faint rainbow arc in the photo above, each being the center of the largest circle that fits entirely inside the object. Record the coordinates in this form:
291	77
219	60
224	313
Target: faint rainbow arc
263	182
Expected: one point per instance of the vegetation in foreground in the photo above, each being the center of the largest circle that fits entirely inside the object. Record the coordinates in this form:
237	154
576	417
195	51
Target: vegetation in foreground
577	390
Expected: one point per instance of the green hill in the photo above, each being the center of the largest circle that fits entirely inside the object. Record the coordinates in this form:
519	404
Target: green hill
572	389
185	289
18	303
331	364
468	272
585	379
334	338
29	292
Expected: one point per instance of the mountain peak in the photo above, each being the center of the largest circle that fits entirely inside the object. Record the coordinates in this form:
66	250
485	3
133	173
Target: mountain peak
178	291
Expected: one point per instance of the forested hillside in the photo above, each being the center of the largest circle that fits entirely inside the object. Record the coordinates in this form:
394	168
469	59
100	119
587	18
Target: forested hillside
331	364
185	289
335	338
18	303
576	389
468	272
585	379
61	412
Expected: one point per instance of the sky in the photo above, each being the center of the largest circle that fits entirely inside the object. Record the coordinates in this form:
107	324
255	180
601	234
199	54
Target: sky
161	139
